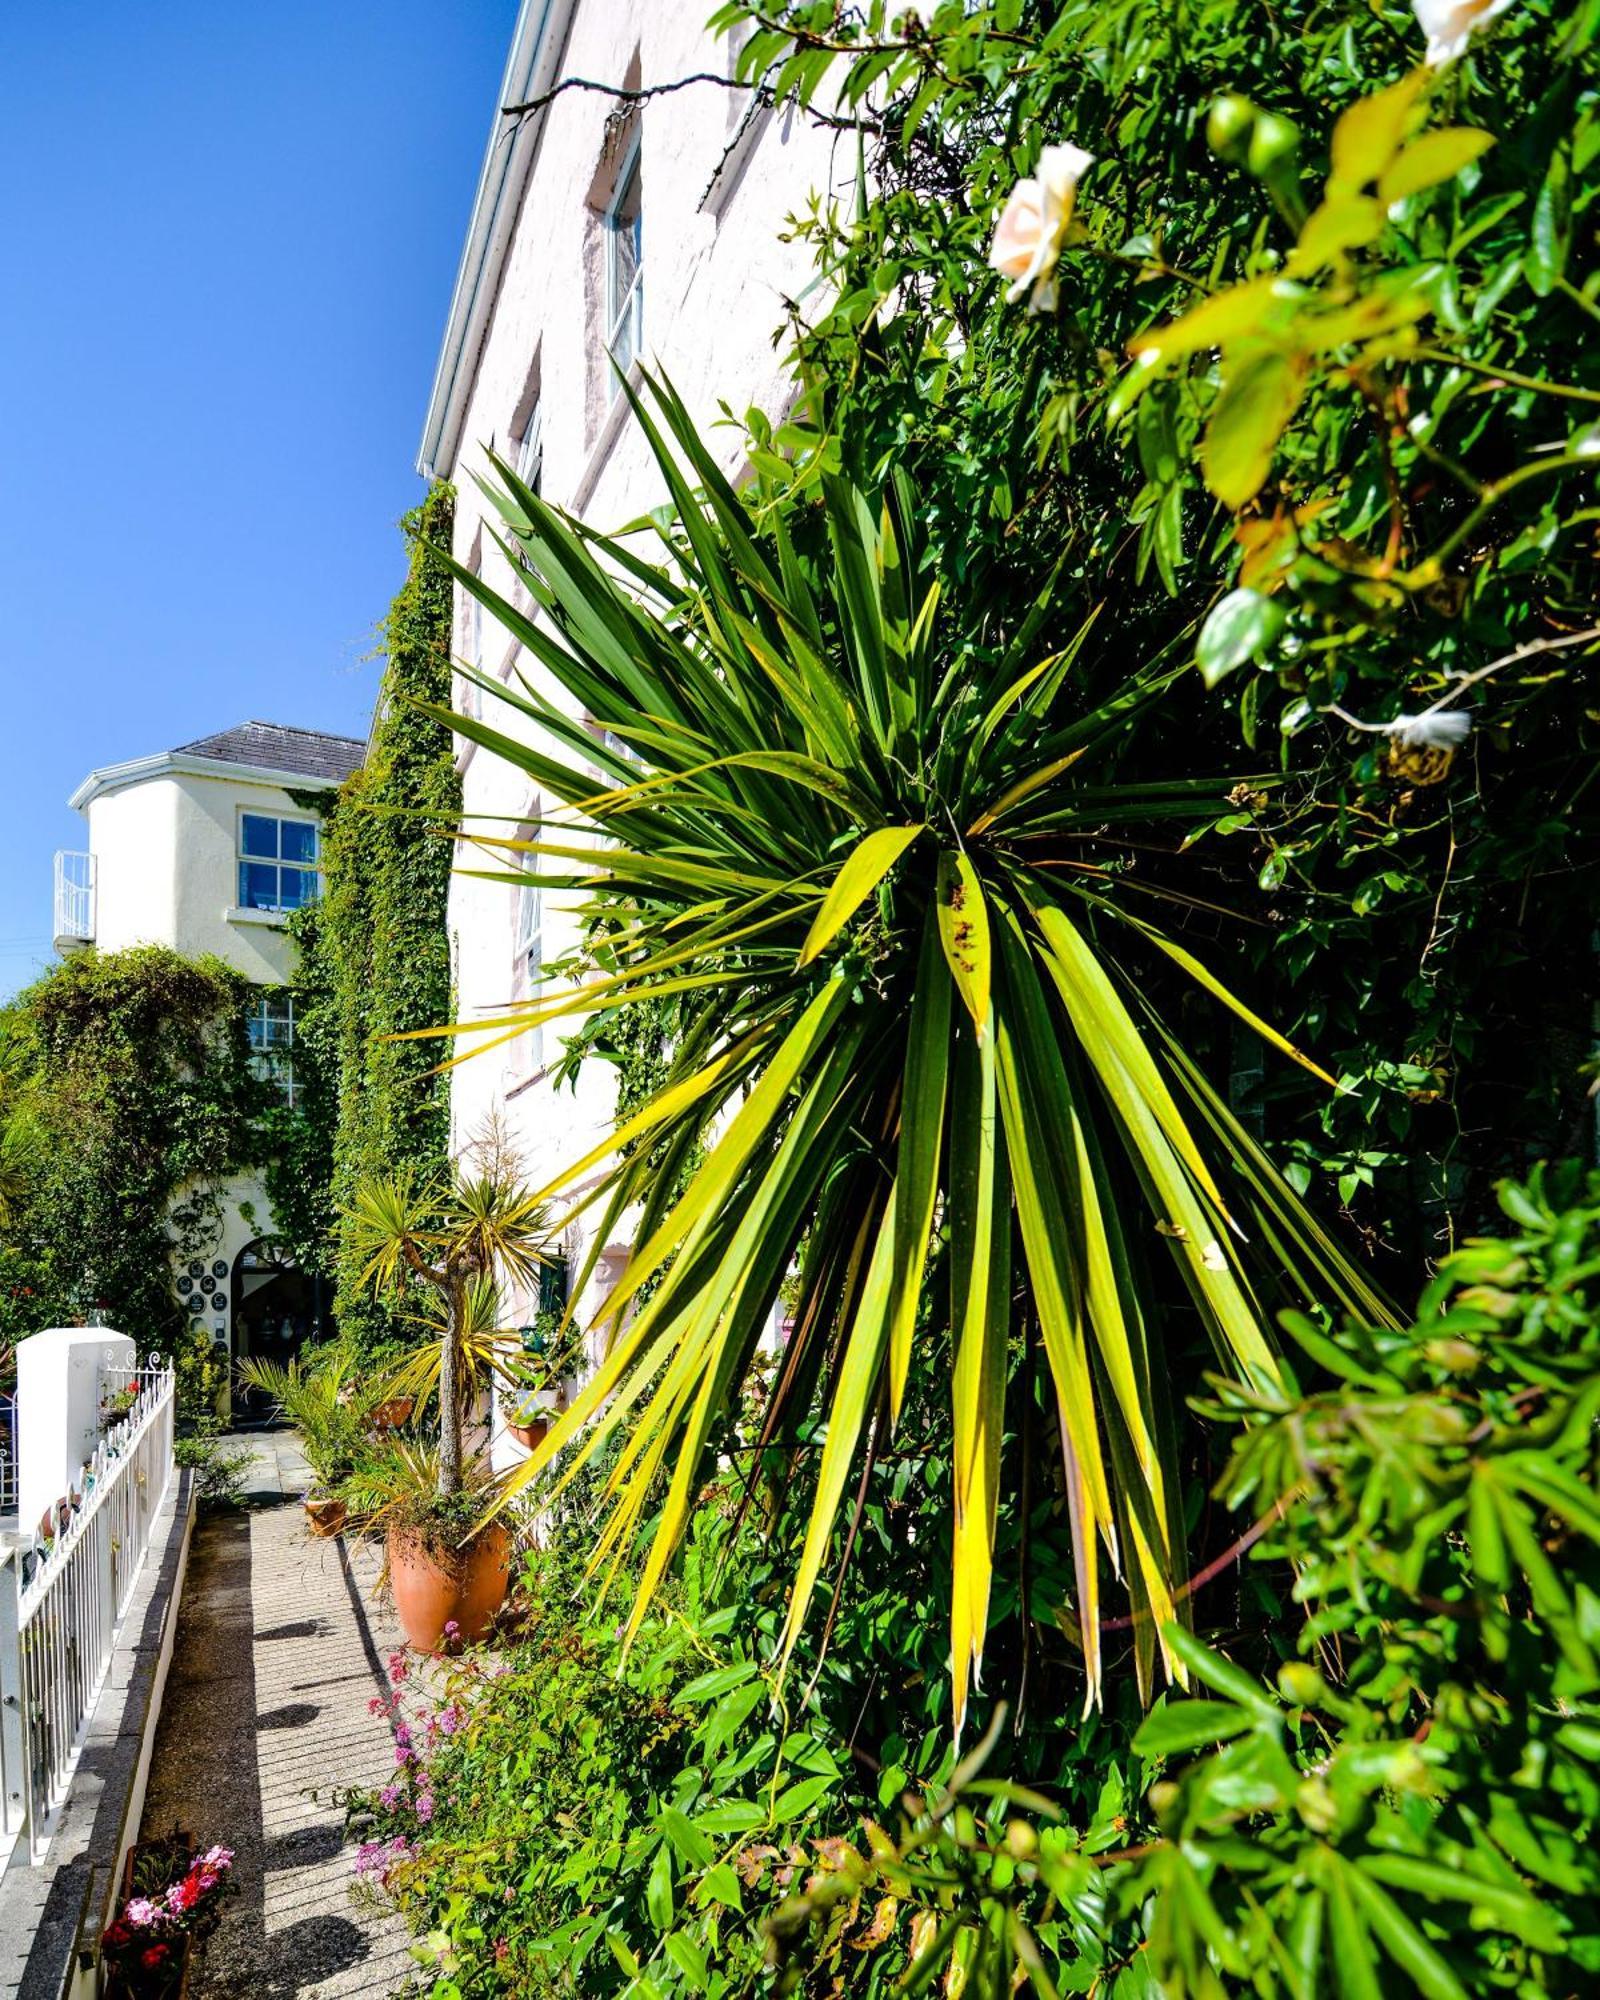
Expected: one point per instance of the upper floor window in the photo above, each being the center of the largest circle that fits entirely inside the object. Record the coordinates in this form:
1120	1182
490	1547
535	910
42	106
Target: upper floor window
530	449
271	1024
625	265
277	862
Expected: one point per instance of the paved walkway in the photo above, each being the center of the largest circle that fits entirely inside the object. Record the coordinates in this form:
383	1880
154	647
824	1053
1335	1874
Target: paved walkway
279	1651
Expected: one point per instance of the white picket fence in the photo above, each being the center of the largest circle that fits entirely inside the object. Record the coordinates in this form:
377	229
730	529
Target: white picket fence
61	1606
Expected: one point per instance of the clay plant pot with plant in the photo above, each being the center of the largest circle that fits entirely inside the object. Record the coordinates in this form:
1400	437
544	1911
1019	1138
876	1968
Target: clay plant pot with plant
448	1241
552	1354
320	1394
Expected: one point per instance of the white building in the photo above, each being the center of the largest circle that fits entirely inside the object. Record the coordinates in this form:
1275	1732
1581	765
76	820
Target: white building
606	227
207	849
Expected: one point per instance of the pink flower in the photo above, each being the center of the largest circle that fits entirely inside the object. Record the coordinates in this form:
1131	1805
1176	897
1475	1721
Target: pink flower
1032	229
402	1736
425	1808
184	1895
403	1754
142	1913
451	1629
377	1706
390	1797
450	1720
218	1857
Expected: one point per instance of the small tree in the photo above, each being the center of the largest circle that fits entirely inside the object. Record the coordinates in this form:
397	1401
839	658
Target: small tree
454	1237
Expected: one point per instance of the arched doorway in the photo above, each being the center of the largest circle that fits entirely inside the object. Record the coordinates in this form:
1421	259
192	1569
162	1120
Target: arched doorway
277	1308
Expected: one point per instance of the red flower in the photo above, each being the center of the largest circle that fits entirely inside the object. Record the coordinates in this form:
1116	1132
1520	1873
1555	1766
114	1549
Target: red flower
154	1956
184	1895
116	1934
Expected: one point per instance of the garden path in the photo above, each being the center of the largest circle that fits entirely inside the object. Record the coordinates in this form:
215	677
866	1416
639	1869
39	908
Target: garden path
279	1651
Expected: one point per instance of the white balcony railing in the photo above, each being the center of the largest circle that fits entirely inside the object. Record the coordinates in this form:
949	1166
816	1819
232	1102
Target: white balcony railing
61	1605
74	900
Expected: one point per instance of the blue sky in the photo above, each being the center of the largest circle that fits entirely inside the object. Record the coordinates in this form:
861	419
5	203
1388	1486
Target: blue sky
226	249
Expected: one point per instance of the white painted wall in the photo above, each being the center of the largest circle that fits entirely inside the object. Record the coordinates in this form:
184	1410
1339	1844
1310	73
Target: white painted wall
58	1389
166	868
716	277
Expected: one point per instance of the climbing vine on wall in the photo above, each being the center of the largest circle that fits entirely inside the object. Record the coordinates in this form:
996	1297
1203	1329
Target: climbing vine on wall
127	1101
375	953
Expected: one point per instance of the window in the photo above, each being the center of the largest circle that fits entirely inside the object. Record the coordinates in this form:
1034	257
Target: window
271	1023
528	945
530	449
277	862
625	266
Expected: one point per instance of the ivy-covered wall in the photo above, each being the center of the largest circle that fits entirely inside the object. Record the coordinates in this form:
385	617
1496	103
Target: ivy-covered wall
375	953
126	1101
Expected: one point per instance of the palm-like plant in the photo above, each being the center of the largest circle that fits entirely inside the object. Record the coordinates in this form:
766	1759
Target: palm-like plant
321	1396
457	1237
869	858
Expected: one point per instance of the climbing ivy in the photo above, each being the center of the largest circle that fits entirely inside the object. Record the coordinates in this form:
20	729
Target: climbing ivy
374	958
128	1100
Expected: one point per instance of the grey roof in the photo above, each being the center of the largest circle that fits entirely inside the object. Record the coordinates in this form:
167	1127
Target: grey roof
273	746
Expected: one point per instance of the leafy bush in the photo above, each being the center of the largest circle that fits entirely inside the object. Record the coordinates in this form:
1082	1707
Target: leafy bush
127	1075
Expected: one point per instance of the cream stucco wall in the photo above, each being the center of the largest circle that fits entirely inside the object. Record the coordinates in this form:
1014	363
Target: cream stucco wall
716	278
166	868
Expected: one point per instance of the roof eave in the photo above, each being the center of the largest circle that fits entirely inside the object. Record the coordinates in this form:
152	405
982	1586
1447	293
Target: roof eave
175	764
531	68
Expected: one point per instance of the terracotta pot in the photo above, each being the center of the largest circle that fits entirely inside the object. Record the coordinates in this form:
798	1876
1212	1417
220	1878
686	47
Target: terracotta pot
325	1515
391	1415
530	1433
469	1585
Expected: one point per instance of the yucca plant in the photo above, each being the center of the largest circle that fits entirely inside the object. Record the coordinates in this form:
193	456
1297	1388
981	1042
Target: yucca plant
455	1237
868	854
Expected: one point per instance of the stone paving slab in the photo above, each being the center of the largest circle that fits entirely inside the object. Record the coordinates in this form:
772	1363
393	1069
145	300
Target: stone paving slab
279	1650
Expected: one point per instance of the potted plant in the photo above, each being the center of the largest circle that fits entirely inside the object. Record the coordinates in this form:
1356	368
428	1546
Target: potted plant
319	1394
552	1351
172	1897
448	1239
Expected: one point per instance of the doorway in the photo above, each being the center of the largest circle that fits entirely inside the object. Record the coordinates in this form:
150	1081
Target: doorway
277	1308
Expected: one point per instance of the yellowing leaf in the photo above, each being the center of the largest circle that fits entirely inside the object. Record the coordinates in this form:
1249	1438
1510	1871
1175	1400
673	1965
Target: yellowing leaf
1434	157
855	881
1255	308
1261	394
1343	222
1368	136
964	933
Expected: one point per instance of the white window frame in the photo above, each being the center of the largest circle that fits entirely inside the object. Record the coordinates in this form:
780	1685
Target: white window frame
625	314
272	1061
313	868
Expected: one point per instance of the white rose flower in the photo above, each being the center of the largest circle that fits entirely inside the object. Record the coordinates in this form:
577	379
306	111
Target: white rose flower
1448	24
1033	226
1437	729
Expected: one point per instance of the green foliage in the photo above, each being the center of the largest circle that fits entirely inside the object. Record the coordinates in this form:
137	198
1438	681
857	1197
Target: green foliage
327	1400
855	862
375	951
1258	212
128	1076
455	1240
220	1470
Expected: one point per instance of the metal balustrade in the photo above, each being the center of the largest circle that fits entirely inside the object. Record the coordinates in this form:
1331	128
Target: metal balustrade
62	1603
8	1453
74	899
